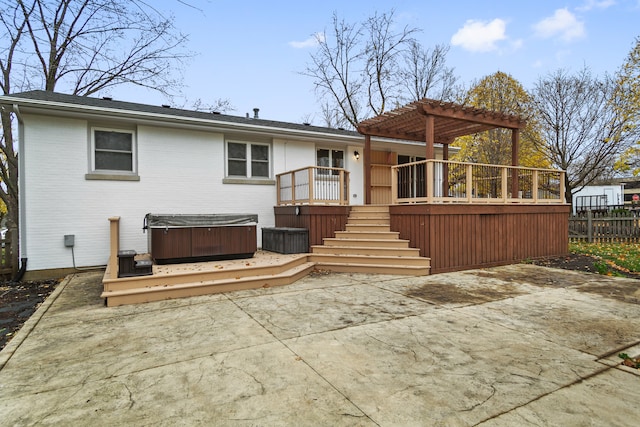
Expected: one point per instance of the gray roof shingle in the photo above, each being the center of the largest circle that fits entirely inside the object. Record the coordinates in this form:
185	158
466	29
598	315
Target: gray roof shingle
47	96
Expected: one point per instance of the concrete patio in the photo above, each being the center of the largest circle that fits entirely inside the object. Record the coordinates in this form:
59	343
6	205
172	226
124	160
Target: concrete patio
514	345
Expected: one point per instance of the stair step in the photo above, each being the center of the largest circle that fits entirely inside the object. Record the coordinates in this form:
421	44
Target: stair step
362	250
163	292
377	243
370	208
369	214
378	235
404	270
368	227
368	221
369	259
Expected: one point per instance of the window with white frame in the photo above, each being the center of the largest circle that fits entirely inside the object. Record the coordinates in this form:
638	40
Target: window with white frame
113	151
329	158
249	160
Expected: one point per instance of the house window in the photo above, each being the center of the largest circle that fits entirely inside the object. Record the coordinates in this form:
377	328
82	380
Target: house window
329	158
250	160
113	151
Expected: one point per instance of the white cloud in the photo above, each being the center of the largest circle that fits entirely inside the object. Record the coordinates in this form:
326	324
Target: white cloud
310	42
563	24
480	36
596	4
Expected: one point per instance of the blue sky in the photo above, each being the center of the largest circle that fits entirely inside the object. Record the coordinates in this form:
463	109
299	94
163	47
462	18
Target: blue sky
252	52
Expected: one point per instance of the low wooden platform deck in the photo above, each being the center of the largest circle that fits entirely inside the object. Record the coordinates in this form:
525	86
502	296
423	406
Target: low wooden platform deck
366	245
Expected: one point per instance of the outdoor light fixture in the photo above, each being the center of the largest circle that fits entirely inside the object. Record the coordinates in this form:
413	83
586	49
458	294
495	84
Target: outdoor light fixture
356	154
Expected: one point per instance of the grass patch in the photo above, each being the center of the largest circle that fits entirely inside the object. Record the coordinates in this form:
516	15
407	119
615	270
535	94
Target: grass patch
624	256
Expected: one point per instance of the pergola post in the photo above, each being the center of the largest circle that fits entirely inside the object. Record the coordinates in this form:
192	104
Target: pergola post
367	169
430	137
515	147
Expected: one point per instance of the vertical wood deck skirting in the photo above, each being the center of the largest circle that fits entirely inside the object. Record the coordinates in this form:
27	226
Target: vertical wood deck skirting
461	237
455	237
321	221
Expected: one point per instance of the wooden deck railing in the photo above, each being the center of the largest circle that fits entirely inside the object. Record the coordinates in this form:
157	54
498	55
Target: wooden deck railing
313	185
440	181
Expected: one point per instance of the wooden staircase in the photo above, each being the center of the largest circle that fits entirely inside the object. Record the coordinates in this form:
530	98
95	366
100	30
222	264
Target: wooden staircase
366	246
369	246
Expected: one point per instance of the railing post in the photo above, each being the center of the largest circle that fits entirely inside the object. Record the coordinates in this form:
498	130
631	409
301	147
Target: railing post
341	190
505	184
311	184
562	189
346	186
429	183
469	180
293	188
278	198
534	186
394	185
114	234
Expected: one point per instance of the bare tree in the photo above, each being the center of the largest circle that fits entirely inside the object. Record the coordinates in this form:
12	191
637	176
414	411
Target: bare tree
580	129
383	51
334	68
356	67
80	47
425	73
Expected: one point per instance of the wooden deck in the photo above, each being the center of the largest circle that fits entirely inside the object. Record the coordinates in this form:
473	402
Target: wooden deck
170	281
456	236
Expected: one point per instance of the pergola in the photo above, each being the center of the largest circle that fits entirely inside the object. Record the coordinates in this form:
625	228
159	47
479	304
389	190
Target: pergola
432	122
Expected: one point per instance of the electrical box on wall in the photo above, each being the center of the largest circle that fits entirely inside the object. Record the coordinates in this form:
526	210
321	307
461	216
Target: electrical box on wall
69	240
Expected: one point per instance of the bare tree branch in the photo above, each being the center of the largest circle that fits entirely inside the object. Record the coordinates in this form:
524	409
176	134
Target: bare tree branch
580	128
81	47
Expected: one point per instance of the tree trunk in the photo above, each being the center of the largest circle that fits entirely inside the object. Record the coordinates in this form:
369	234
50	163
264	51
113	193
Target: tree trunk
9	193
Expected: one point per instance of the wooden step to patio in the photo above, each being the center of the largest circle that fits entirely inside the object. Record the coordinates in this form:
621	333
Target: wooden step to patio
398	269
363	259
202	279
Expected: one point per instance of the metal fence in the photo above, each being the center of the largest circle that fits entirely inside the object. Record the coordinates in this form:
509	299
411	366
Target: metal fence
604	227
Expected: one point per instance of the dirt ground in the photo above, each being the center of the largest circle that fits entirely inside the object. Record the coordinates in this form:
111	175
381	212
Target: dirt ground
18	301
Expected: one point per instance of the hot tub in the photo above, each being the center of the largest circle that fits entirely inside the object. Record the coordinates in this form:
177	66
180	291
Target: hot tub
205	237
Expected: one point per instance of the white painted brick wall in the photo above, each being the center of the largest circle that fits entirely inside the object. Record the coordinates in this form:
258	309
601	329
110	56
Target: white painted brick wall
180	172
